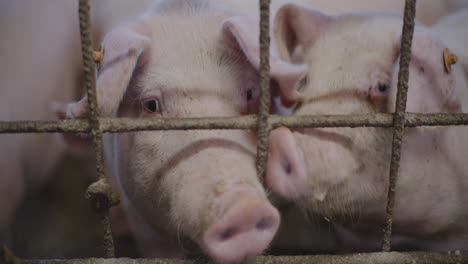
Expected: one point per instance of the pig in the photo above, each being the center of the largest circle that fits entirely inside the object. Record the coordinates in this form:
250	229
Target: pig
40	65
184	191
348	64
142	216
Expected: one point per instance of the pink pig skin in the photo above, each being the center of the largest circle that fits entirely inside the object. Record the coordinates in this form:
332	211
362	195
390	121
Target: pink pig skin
341	174
107	14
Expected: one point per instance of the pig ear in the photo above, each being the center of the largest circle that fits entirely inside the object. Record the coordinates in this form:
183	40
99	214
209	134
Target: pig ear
80	142
296	28
432	88
125	50
242	32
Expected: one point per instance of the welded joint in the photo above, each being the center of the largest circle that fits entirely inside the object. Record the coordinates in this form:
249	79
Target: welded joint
102	195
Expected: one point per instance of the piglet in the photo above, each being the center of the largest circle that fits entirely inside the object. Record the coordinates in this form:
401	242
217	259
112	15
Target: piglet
348	64
184	191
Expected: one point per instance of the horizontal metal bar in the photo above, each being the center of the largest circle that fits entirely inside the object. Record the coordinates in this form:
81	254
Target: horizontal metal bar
44	126
361	258
114	125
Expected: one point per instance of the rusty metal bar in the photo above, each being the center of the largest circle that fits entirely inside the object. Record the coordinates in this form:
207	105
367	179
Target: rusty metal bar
369	258
264	109
399	119
115	125
101	198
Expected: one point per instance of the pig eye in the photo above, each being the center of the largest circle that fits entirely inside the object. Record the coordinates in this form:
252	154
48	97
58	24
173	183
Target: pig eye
249	95
151	105
378	95
382	87
301	84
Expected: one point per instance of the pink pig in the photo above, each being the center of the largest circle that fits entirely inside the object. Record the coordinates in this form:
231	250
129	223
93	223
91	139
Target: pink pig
348	64
183	59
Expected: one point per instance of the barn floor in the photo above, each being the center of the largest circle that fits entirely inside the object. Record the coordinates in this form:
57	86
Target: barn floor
59	222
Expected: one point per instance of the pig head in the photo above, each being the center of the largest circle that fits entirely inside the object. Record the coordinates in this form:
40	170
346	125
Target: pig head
342	173
184	59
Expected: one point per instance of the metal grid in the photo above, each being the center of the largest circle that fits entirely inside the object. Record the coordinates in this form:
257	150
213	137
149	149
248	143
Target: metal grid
104	197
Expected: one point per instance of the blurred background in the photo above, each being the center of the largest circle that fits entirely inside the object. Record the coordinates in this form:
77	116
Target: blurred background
43	211
58	222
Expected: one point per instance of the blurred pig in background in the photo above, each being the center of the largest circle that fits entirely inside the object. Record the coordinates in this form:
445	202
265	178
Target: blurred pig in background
40	71
40	55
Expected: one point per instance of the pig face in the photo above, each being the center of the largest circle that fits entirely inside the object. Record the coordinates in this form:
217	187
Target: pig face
184	59
352	65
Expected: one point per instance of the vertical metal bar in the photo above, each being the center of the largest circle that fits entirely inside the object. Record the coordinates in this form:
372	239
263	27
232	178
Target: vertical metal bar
399	116
264	126
90	84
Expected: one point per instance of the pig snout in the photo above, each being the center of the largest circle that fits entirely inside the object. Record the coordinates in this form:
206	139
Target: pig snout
285	173
246	229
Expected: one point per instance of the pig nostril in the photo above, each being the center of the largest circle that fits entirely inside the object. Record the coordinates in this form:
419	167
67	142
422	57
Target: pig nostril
264	224
228	233
286	166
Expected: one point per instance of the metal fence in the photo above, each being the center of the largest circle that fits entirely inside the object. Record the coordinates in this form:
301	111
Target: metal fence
104	197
